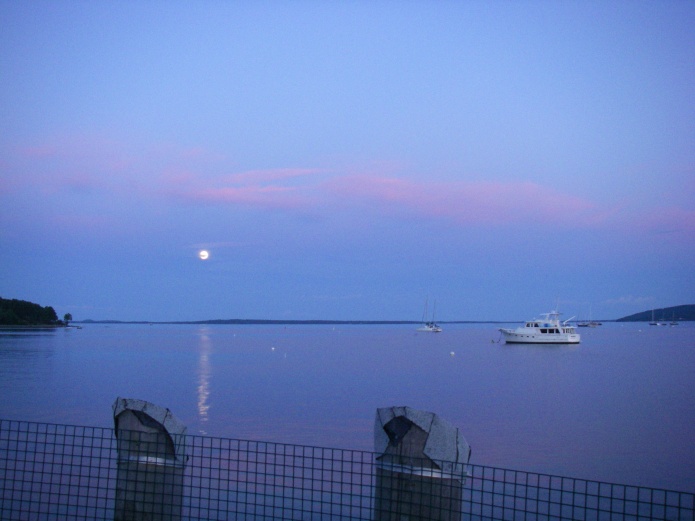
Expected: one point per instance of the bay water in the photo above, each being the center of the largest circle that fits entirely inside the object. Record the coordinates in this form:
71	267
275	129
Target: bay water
619	407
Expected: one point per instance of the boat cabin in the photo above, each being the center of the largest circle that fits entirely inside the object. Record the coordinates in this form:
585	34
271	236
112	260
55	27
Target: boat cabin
549	329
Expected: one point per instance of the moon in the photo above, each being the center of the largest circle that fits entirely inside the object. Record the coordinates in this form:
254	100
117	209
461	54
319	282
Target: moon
203	254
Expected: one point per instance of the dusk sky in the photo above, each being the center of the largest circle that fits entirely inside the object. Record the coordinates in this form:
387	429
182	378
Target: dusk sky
347	160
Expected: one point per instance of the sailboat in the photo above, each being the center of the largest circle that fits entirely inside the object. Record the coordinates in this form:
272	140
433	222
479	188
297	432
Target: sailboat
590	322
429	326
653	323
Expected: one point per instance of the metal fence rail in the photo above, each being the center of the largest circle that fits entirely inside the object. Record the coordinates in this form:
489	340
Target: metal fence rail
56	471
515	495
50	471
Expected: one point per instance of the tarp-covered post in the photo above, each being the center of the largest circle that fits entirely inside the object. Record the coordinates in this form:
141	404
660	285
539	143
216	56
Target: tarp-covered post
152	458
420	466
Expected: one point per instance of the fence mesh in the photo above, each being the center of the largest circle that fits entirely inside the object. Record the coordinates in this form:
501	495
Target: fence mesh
50	471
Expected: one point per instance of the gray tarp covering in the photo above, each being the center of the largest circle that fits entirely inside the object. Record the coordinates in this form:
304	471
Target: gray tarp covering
138	415
445	443
151	445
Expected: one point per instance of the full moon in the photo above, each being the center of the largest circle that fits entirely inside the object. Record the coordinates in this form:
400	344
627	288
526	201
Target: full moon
203	254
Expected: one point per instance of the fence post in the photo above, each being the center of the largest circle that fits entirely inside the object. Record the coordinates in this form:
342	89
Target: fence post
151	462
420	467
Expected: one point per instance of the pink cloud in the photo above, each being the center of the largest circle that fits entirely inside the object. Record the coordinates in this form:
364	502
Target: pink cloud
488	203
80	165
261	188
200	177
274	196
82	181
179	179
280	176
39	151
255	177
64	162
94	223
667	221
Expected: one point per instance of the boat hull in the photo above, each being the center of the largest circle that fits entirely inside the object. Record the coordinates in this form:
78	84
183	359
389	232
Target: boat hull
545	330
512	336
430	329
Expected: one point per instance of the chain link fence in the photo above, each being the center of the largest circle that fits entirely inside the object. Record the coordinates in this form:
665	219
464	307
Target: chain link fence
52	472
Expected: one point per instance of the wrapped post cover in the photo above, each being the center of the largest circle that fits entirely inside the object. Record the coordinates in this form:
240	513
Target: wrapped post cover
151	447
165	434
442	442
421	462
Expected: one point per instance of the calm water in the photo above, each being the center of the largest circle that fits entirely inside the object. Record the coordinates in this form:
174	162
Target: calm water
620	407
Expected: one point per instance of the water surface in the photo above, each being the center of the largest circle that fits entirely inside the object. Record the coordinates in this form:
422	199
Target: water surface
619	407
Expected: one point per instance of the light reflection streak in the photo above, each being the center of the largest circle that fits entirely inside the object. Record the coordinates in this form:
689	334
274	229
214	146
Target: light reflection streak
204	375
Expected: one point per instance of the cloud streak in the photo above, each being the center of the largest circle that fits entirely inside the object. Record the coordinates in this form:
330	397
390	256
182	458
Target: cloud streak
263	189
462	203
467	203
81	168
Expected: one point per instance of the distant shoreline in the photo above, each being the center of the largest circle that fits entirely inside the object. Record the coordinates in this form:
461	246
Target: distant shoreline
683	313
298	322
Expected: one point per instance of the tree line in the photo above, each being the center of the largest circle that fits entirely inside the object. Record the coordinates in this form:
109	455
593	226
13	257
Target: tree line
15	312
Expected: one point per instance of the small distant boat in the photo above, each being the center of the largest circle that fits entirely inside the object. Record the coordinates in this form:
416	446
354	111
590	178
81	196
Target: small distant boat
545	330
429	326
656	322
590	322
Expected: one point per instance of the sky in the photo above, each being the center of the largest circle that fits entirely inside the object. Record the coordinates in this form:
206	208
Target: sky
347	160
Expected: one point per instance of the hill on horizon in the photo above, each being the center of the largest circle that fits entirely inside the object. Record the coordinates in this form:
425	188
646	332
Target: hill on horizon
684	312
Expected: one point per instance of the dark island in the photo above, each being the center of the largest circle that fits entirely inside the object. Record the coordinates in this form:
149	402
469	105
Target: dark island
20	313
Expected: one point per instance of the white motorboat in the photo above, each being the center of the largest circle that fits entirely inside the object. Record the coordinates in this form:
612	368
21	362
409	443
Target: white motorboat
545	330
